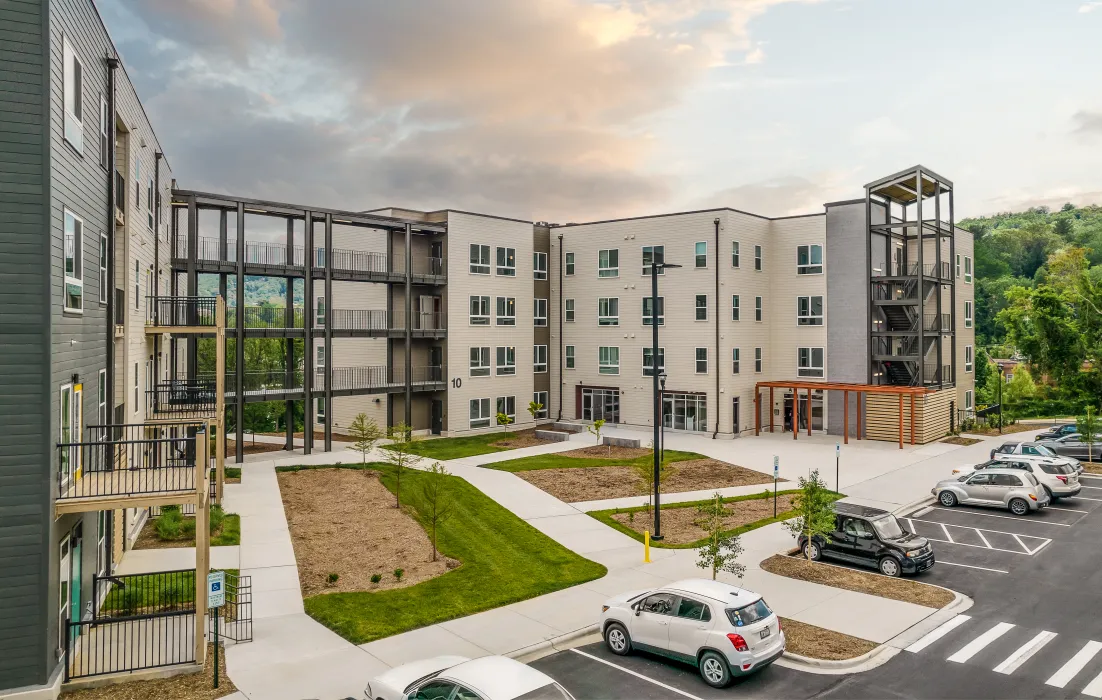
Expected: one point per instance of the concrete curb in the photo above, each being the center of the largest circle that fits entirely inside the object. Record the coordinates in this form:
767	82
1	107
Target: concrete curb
915	505
866	662
577	638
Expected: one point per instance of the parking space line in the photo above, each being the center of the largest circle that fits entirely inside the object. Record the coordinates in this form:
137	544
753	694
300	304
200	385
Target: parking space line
1075	664
1044	540
980	533
927	509
1019	541
1069	510
969	566
1086	498
1094	688
946	531
976	645
977	546
637	675
1040	547
1004	517
938	632
1024	653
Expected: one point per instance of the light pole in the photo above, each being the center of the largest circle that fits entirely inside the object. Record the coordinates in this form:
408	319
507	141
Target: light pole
662	402
655	266
1002	380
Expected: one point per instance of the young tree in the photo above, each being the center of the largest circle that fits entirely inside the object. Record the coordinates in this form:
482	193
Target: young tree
436	493
400	455
646	474
814	514
718	553
535	408
595	429
366	433
1088	428
504	419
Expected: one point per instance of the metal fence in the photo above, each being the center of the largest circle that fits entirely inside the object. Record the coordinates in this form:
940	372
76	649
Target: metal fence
125	645
352	260
236	616
267	316
937	323
182	311
182	398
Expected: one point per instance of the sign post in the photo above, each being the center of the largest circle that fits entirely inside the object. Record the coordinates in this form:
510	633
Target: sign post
216	598
776	472
837	472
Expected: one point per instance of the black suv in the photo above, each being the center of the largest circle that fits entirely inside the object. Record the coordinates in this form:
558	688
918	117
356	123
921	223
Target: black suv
871	537
1057	431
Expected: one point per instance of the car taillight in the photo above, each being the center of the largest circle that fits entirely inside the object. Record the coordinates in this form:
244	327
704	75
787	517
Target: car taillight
1033	497
778	624
1062	478
738	642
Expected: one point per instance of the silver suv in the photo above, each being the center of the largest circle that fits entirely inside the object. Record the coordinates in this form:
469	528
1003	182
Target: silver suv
1057	479
1033	451
1014	489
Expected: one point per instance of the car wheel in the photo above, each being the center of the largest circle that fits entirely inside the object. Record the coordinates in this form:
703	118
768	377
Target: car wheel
812	551
617	639
947	499
890	567
714	670
1018	506
1051	496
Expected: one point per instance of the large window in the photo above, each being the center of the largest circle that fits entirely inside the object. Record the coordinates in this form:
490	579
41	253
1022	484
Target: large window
539	316
507	262
655	253
539	358
734	307
103	269
74	97
685	411
757	258
506	311
570	310
701	307
569	264
648	315
480	311
700	254
74	262
809	362
480	413
480	362
137	284
540	397
608	360
809	311
958	265
967	270
104	134
149	204
967	314
508	406
570	357
319	320
702	360
734	254
735	360
968	399
967	358
480	259
757	360
608	311
809	260
648	369
608	263
506	360
539	266
757	309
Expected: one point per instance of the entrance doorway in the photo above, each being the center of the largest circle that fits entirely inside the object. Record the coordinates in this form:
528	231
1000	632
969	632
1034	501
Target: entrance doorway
437	416
601	404
801	418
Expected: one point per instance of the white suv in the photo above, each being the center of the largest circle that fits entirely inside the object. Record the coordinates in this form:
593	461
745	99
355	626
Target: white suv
1058	479
1031	451
723	630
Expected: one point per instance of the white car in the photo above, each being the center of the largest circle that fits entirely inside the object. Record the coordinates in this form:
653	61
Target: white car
723	630
460	678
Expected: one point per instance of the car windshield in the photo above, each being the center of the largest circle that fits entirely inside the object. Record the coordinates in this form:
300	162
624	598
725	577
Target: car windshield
1045	451
1030	478
553	691
888	527
749	614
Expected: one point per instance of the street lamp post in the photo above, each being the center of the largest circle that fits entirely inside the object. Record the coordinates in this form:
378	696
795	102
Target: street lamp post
662	402
655	266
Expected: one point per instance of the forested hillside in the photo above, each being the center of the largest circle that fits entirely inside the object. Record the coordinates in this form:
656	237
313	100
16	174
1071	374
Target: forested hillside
259	291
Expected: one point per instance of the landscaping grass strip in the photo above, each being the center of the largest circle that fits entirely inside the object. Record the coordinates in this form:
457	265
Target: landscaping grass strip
179	587
503	560
906	590
472	445
819	643
959	440
563	461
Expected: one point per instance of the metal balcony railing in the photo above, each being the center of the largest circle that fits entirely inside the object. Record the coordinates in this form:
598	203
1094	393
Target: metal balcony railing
941	271
356	320
182	312
937	375
352	260
267	316
182	398
379	377
937	323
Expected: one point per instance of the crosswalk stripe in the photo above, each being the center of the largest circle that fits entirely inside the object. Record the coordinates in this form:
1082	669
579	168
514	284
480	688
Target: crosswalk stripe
1075	665
1025	653
937	633
1094	688
976	645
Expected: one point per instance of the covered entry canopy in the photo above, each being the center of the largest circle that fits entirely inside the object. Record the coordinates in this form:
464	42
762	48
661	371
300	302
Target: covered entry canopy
860	390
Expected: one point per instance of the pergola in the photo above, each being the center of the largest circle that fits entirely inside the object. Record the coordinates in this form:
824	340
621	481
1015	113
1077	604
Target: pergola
846	388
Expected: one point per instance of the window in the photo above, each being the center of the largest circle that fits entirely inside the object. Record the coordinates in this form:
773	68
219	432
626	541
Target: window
702	360
809	260
137	185
967	314
320	357
320	313
968	399
608	360
540	397
480	259
608	311
685	411
608	263
757	360
506	311
654	253
570	310
757	258
540	314
101	543
539	358
74	262
321	410
734	307
701	254
102	398
149	203
570	357
64	595
507	262
967	270
809	311
480	413
735	357
480	311
701	307
648	369
74	97
958	265
734	254
137	285
809	362
569	264
480	362
67	433
506	360
692	610
757	309
137	378
104	138
103	269
648	316
508	406
967	358
539	266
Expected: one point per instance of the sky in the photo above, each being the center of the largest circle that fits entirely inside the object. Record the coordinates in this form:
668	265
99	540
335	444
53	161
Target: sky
579	110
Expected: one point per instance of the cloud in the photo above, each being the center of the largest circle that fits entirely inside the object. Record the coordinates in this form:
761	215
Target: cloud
1089	7
1088	122
783	196
1053	198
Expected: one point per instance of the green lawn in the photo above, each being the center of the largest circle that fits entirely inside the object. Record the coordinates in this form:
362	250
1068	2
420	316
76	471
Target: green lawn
605	516
231	532
559	461
504	560
456	447
140	592
233	472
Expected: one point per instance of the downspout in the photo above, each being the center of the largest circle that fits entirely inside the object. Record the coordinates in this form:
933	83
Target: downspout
562	359
112	64
715	433
157	156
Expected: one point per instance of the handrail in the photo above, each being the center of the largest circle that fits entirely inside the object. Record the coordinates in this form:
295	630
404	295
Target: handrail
182	311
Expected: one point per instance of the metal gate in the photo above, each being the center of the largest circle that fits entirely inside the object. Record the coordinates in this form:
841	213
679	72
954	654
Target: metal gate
236	616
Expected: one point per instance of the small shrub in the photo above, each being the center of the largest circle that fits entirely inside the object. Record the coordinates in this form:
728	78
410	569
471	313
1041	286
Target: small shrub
130	600
398	574
170	525
171	595
217	517
376	578
631	516
332	577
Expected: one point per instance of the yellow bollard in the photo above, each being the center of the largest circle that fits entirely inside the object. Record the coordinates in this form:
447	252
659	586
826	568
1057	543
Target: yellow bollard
646	546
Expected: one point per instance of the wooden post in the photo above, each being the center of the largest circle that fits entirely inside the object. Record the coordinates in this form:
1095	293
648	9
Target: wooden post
220	396
901	421
912	419
202	541
770	409
795	412
757	411
845	418
807	412
859	395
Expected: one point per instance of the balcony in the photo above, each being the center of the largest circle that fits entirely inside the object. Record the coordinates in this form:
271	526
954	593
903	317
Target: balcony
132	466
934	270
182	399
277	385
182	314
937	323
120	199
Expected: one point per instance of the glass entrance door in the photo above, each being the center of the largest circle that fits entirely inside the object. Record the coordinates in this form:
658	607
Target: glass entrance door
601	404
685	411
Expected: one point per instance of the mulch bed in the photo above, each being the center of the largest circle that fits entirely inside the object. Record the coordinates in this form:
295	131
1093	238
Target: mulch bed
522	438
818	643
958	440
193	686
1092	467
678	526
344	522
902	589
252	448
1007	429
595	483
608	452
